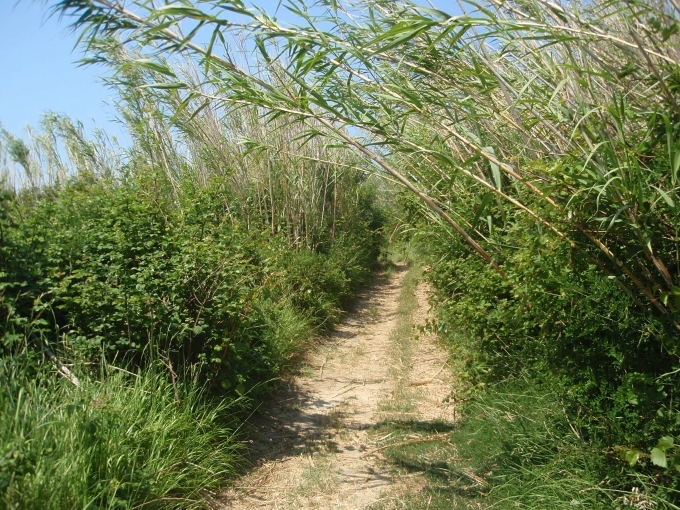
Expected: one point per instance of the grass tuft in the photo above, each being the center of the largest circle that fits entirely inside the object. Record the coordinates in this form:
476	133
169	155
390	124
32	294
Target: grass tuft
120	442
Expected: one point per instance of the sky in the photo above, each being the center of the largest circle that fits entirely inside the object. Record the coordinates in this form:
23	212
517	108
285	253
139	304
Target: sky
39	72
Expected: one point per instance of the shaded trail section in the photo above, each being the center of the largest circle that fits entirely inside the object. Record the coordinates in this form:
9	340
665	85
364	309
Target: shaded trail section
317	444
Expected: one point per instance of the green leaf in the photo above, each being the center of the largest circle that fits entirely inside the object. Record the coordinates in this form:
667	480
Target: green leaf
659	458
666	197
154	66
171	86
671	30
495	170
632	456
403	32
197	330
665	443
182	10
436	12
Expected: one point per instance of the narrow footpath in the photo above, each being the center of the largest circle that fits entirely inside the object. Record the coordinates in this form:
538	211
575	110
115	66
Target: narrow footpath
318	444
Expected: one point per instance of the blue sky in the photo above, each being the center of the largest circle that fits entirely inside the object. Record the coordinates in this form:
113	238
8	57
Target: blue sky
39	72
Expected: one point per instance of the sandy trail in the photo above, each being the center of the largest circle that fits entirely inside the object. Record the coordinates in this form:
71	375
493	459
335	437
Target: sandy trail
315	447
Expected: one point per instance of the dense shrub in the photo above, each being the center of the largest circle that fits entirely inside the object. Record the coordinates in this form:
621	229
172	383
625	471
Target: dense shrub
116	272
557	315
559	323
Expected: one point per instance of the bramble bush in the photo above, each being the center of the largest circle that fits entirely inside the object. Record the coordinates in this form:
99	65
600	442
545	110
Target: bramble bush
118	273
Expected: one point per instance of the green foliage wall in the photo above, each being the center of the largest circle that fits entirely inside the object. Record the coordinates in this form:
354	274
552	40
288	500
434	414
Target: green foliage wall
563	330
112	270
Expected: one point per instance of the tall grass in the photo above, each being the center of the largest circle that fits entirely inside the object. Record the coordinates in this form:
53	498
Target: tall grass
115	441
278	178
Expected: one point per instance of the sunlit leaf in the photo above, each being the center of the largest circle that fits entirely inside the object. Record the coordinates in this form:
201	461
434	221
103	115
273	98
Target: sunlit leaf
658	457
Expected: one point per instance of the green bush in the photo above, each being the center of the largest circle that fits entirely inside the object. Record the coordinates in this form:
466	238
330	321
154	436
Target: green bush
123	275
559	323
559	318
119	273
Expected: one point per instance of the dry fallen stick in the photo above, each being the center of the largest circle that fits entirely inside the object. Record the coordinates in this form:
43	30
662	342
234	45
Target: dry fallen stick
260	487
343	392
431	379
434	358
323	365
123	370
411	441
467	472
61	368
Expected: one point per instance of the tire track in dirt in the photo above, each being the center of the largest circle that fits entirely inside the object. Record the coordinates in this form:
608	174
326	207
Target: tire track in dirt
314	447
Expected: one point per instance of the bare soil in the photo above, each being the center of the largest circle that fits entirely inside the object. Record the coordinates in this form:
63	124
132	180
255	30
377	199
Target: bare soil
315	446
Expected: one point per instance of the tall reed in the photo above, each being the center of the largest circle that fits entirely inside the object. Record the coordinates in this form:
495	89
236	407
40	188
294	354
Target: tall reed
563	113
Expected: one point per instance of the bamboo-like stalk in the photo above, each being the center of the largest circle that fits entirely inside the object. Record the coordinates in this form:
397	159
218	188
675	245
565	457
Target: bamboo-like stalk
507	98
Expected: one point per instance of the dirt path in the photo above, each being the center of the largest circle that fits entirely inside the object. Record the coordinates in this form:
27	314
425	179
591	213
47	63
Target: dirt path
318	445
